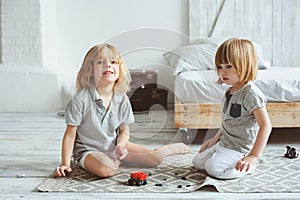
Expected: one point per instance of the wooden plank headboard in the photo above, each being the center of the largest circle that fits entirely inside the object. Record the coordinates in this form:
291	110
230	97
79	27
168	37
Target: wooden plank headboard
275	24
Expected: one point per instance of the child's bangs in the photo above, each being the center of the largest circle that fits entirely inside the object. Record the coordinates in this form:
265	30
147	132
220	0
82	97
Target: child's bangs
113	54
225	54
222	58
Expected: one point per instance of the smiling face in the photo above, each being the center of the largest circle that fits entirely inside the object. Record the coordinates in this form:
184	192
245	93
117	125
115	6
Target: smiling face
106	68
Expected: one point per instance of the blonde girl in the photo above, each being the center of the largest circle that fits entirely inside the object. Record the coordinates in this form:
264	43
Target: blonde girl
98	117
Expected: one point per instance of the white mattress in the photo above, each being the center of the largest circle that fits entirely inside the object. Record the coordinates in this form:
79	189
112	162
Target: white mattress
277	83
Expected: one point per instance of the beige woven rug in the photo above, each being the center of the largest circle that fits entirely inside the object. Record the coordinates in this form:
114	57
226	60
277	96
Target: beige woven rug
274	173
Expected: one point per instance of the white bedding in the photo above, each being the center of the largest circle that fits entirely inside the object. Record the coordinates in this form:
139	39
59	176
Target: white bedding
277	83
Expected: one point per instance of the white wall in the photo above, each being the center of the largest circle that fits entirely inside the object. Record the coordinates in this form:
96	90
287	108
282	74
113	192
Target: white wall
43	42
142	29
26	84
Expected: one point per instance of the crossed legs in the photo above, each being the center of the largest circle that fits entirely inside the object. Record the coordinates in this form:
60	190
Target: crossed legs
104	166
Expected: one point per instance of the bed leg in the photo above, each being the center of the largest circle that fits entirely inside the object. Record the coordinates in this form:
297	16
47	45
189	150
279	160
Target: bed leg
188	135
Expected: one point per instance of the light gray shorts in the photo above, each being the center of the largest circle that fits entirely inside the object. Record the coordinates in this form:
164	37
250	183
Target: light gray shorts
84	155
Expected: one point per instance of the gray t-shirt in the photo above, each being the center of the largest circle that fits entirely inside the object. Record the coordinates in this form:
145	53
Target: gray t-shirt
239	127
97	129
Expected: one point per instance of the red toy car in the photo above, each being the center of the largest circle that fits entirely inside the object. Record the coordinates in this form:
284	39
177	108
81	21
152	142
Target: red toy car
137	178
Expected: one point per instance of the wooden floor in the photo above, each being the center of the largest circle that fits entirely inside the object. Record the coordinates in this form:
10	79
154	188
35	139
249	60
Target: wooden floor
30	146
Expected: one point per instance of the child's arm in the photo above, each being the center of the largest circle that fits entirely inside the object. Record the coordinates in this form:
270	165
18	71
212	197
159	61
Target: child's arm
67	150
211	141
122	141
265	128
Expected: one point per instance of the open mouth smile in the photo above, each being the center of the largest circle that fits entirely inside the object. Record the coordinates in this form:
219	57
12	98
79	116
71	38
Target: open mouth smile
107	72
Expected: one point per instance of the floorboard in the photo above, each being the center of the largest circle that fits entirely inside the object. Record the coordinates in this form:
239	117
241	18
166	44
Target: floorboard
30	145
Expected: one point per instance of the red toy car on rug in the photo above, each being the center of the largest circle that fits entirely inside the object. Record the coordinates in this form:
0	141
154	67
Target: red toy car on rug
137	179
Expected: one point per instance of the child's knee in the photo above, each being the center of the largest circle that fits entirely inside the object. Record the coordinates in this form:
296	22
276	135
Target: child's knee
197	162
213	169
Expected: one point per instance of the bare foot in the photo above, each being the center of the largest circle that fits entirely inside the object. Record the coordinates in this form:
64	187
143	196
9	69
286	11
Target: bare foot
179	148
174	149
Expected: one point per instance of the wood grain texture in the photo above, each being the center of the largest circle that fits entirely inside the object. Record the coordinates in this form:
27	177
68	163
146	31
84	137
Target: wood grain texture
272	23
30	146
205	115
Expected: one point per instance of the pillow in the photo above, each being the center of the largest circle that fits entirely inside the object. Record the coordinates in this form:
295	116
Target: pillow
200	55
191	57
211	40
262	64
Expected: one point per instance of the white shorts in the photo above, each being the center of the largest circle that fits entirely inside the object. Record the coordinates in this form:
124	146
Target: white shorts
84	155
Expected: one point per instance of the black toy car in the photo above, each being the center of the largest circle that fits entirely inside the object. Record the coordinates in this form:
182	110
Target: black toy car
291	152
137	179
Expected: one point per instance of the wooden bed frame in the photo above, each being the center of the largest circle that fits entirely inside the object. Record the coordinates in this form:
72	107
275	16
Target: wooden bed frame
216	23
208	116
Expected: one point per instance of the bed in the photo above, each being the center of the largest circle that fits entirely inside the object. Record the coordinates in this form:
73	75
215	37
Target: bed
197	103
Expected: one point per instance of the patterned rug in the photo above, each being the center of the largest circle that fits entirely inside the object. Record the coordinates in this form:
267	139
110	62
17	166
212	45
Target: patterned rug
274	173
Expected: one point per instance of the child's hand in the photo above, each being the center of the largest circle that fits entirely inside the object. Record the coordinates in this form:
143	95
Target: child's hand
61	170
246	163
121	152
209	143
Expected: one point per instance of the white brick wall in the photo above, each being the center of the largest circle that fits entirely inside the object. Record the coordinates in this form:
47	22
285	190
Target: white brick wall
26	85
21	32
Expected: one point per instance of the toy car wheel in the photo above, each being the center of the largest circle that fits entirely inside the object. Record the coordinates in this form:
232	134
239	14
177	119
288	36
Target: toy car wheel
287	155
131	182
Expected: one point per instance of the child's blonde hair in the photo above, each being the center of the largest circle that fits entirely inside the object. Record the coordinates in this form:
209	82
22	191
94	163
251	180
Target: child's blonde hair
122	84
240	54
